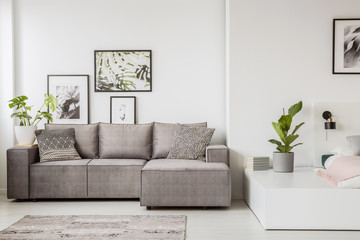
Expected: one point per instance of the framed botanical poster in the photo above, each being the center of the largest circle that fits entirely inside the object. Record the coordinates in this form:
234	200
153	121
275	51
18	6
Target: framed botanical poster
346	46
123	110
72	93
123	71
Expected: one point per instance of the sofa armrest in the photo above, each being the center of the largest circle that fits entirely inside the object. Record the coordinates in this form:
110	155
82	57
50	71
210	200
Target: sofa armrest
217	153
18	170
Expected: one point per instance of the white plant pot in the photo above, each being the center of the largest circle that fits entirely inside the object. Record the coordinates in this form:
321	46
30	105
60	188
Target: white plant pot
25	135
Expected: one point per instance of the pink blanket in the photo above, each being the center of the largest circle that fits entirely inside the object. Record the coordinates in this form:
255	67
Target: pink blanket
342	168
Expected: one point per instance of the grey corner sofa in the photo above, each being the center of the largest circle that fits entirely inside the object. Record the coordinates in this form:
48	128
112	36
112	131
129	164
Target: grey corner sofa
122	161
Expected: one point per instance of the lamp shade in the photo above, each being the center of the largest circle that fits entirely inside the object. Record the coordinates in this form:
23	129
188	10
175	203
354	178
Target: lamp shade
330	125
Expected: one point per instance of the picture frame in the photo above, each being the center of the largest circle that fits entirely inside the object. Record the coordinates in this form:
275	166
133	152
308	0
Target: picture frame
346	51
123	109
123	70
72	92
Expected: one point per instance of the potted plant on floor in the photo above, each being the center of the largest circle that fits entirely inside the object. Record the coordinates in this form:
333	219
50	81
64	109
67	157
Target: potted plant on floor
25	132
283	159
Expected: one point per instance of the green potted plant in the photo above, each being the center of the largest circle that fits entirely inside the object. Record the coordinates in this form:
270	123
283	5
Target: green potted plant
25	132
283	159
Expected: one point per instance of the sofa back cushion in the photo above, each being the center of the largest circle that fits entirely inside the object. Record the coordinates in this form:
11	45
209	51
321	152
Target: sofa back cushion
86	138
125	140
163	136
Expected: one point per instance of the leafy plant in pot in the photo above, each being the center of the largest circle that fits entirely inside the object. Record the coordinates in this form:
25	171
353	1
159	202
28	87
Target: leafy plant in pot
25	133
283	159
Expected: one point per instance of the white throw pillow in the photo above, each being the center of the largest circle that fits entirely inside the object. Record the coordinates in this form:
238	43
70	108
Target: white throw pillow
354	143
344	150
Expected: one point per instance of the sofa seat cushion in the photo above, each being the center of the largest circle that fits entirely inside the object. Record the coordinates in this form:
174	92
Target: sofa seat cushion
86	138
123	141
114	178
59	179
183	165
167	182
81	162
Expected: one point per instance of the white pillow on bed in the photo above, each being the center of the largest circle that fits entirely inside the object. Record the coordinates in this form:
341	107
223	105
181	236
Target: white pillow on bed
344	150
354	143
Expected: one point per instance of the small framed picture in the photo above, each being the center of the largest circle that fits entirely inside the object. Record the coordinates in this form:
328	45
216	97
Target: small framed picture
346	46
122	71
72	93
123	110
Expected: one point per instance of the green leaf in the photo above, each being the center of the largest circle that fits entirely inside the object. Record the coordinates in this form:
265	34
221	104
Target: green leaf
18	102
286	121
279	128
289	139
14	115
284	149
275	142
50	119
297	145
294	109
297	128
27	116
46	115
21	115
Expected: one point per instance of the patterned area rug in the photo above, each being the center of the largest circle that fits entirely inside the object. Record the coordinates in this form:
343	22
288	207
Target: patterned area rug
97	227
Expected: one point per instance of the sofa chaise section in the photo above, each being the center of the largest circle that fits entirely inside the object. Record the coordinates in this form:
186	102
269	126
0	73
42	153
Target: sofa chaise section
178	182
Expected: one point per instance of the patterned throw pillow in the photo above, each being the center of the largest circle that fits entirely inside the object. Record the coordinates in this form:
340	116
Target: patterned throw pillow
55	145
190	142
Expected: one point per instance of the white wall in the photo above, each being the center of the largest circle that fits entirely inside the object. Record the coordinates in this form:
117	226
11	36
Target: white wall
280	52
186	38
6	84
347	123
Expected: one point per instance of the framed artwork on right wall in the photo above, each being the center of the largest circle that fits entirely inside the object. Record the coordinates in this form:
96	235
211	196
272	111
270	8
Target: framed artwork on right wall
346	46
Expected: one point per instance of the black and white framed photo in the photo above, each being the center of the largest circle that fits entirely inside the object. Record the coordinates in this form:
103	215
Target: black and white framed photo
346	46
122	70
72	93
123	110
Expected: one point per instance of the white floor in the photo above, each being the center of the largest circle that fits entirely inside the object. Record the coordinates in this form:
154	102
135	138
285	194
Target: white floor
237	222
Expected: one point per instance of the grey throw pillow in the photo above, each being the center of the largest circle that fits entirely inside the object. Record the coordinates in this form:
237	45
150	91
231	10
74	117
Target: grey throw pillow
354	143
86	138
190	142
55	145
163	135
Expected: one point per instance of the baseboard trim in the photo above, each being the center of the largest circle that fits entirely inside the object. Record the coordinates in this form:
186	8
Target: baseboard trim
237	197
3	192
